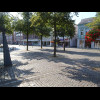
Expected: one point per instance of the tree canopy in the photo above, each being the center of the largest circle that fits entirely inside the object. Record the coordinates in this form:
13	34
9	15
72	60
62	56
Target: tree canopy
6	26
57	20
18	25
27	23
96	22
6	23
39	25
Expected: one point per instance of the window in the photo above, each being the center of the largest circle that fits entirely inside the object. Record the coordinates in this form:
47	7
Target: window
81	33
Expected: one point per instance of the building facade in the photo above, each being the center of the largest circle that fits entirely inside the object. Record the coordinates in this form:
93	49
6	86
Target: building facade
34	40
19	38
8	37
73	41
82	29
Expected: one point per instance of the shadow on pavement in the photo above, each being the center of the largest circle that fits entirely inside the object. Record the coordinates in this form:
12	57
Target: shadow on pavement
82	74
86	53
83	70
9	76
60	58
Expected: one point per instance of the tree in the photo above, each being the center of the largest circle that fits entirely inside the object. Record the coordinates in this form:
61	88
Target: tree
95	23
18	25
51	18
27	24
40	27
66	29
6	26
55	19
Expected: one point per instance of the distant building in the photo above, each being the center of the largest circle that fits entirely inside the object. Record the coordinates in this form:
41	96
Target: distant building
8	37
11	38
34	40
17	38
47	41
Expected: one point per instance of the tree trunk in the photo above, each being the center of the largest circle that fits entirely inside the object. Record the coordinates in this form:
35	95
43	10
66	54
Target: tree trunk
41	42
20	38
63	43
55	39
27	41
7	59
12	38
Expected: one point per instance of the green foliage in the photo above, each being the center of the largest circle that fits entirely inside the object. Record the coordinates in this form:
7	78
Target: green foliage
63	21
6	27
96	22
27	23
98	14
66	29
23	25
18	25
6	23
39	25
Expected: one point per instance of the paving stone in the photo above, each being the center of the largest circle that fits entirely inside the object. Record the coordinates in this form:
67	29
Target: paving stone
38	68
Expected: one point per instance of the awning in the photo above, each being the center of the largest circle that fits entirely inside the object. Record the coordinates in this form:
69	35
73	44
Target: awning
52	41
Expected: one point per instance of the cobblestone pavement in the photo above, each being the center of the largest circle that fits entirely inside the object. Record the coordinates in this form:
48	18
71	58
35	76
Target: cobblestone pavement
38	68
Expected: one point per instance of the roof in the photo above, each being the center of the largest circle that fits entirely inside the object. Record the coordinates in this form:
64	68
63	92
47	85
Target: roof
86	20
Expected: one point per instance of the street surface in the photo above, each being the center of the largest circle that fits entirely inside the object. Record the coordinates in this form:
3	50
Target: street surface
38	68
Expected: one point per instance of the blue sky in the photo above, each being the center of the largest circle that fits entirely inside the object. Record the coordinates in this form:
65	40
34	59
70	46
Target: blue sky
81	15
